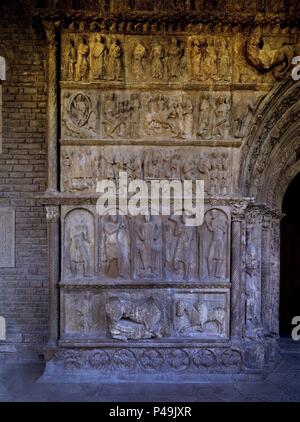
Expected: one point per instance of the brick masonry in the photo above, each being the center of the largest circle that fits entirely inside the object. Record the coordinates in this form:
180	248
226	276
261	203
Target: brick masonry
23	289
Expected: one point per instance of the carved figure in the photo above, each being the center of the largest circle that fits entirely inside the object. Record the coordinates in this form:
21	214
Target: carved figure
114	60
216	223
98	58
138	57
175	54
241	115
157	66
221	122
116	244
80	247
80	109
210	64
71	59
204	129
196	59
148	248
223	61
183	259
82	65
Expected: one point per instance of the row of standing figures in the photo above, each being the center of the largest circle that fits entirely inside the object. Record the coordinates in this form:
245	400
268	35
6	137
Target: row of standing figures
116	248
209	60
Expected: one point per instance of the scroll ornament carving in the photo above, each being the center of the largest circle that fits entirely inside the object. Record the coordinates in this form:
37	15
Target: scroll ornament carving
153	360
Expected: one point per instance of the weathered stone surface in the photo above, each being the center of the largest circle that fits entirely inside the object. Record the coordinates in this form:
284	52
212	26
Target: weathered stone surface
167	90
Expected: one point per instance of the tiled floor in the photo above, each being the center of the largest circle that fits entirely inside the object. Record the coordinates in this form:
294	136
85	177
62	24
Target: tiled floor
18	383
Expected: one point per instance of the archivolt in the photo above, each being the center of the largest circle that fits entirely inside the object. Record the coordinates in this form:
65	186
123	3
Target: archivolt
270	158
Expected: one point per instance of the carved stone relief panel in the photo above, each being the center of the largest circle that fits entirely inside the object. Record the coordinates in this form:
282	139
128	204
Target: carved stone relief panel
179	116
210	59
155	59
143	314
79	228
92	57
201	315
144	248
83	166
138	315
244	104
80	115
7	237
215	245
83	314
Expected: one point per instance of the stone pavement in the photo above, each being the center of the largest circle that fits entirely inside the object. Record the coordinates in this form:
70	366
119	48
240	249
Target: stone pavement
18	383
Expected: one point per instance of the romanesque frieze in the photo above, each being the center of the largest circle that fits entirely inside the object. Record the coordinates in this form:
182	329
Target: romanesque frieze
83	167
148	117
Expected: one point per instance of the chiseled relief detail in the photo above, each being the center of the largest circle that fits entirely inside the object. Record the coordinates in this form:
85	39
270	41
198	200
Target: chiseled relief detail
79	115
201	315
181	249
92	57
145	116
210	59
214	245
83	315
79	244
155	60
83	166
144	314
134	316
115	251
100	249
148	247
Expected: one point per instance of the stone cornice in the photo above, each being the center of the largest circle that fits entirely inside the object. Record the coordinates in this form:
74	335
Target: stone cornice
151	22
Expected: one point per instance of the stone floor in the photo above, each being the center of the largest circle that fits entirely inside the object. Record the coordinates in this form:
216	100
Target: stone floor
18	383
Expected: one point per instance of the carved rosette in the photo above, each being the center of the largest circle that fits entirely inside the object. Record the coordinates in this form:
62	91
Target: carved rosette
154	361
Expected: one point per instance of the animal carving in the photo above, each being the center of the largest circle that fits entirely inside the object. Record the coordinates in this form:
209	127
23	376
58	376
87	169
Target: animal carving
264	58
131	321
196	317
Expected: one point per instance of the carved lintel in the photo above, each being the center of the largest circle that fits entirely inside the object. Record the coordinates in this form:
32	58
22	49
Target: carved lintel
52	214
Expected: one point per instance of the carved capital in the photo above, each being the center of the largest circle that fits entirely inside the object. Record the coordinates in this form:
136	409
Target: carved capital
51	32
239	210
52	214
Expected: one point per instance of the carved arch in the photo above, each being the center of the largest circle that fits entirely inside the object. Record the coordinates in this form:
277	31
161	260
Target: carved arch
270	158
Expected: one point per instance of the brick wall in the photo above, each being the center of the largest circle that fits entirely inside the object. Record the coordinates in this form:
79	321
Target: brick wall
23	289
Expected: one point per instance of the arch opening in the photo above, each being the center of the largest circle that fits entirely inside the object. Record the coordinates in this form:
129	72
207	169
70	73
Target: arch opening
290	258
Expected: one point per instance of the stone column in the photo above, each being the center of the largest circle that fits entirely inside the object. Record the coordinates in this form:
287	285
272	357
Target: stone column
53	226
237	254
254	333
52	107
266	271
275	273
